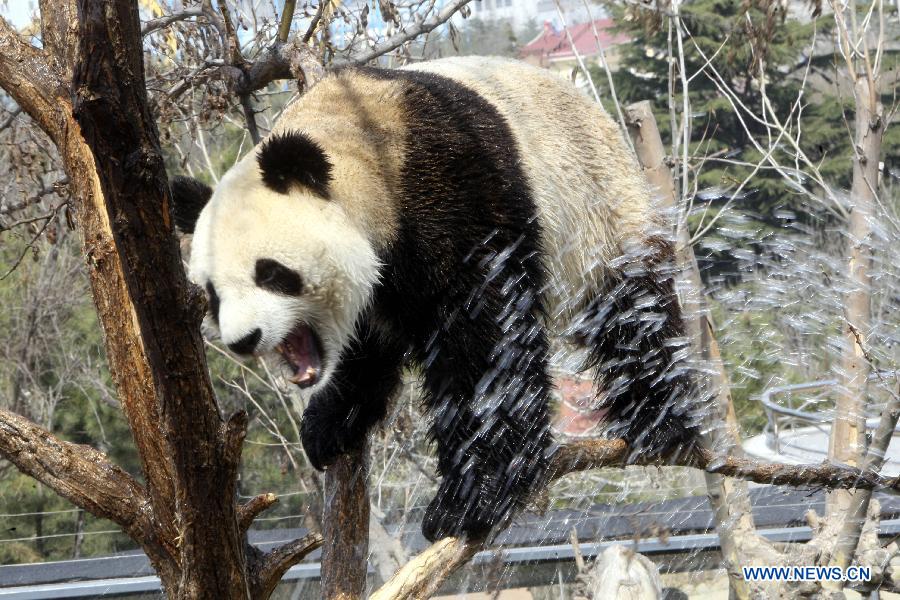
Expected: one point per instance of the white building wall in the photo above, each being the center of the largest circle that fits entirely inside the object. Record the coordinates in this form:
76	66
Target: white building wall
520	12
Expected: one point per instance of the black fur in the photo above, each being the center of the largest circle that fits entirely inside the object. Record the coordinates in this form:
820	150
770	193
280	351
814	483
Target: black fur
189	196
247	344
213	300
338	417
636	335
290	158
275	277
461	290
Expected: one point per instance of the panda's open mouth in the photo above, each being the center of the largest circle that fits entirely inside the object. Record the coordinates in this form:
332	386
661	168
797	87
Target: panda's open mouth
302	350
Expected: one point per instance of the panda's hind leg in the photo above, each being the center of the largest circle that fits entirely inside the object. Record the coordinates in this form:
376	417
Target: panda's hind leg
487	386
633	330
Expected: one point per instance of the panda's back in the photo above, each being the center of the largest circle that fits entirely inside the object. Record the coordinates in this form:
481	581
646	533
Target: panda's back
589	193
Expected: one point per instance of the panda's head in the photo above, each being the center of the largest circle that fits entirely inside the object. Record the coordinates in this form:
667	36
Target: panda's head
286	267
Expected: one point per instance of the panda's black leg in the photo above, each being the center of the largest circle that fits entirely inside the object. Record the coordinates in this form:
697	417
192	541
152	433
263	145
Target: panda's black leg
636	336
339	416
487	385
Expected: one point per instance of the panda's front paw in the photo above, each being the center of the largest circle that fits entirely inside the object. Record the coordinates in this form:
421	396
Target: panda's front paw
444	519
321	443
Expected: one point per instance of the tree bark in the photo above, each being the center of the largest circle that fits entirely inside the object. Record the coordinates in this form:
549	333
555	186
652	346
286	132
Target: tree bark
346	528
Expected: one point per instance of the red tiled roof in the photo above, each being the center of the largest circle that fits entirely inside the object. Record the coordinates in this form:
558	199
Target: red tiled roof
554	45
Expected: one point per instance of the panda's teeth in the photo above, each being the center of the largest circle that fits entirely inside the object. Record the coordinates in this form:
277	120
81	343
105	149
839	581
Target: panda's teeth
308	377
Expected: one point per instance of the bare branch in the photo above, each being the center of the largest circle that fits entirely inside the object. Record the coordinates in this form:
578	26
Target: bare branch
166	20
272	566
314	24
292	60
287	17
234	44
56	187
345	526
49	219
253	507
423	576
593	454
401	37
26	76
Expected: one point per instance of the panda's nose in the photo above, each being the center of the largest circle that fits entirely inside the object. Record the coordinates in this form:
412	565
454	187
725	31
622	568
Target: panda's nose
247	344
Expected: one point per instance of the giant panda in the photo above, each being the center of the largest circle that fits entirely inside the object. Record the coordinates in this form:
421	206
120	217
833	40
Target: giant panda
466	216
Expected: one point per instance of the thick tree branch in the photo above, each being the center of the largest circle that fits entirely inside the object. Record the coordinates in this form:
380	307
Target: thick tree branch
423	576
78	473
253	507
281	61
345	527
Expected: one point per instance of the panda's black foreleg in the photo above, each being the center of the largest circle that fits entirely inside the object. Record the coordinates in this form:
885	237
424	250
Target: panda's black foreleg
339	417
487	386
636	336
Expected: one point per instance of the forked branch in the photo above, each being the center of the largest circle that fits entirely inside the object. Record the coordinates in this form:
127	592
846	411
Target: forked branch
271	567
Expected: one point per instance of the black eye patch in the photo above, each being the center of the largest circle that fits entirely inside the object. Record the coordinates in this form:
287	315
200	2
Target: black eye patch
275	277
213	301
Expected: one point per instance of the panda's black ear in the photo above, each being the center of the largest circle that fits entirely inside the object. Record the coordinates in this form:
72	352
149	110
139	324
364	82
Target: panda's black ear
189	196
290	158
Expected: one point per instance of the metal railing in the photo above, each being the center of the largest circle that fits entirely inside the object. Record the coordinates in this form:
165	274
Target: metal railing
787	409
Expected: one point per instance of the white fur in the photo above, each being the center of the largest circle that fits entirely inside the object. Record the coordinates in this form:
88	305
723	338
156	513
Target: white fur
245	221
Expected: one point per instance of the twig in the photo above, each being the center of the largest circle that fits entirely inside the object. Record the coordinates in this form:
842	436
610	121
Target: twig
401	37
40	232
13	114
314	24
54	188
166	20
29	220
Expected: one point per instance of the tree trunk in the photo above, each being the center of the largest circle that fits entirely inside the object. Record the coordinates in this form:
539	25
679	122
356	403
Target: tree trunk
847	443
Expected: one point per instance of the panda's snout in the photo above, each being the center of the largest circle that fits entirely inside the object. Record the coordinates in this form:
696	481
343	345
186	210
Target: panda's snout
247	344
